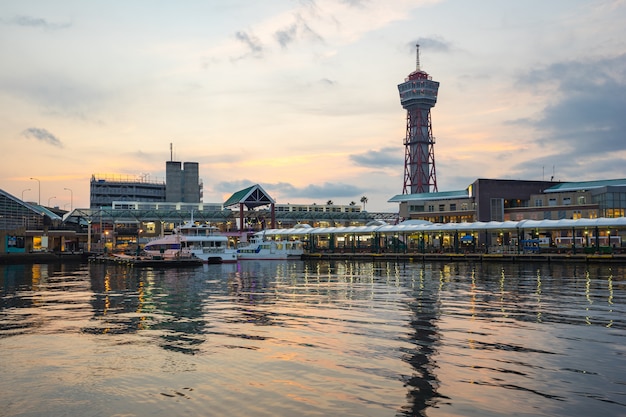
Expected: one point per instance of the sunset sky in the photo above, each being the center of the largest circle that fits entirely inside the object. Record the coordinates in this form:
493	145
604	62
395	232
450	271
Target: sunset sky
301	96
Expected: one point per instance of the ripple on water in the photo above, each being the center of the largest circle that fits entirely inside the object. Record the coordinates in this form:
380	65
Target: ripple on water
318	338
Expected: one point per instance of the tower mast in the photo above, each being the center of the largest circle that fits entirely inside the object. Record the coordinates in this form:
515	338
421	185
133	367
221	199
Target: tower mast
418	94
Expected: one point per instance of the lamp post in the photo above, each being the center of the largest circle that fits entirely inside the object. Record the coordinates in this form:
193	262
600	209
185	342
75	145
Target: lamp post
23	191
39	189
49	200
71	198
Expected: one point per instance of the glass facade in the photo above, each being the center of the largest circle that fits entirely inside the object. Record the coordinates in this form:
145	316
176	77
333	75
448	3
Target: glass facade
612	202
16	214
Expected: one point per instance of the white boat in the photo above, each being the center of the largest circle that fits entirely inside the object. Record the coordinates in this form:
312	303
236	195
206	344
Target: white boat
193	240
258	248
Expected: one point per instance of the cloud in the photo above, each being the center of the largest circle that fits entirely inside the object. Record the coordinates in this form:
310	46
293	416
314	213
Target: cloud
390	157
252	42
355	3
435	44
583	118
286	36
58	94
300	29
36	22
42	135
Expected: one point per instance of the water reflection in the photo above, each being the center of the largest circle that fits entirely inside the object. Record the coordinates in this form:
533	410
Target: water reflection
345	338
423	383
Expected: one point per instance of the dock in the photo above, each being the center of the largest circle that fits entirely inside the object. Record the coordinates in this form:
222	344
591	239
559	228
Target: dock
145	262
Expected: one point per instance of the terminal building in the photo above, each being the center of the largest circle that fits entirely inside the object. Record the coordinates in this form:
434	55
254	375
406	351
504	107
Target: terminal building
512	200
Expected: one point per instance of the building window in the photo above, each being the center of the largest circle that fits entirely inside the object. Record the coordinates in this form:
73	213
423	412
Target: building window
538	202
552	202
452	206
497	209
582	200
567	201
464	206
431	208
442	207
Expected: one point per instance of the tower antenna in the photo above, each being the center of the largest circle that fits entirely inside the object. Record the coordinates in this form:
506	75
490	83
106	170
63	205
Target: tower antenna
417	58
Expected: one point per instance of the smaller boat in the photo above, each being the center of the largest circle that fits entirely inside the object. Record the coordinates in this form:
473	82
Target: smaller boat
191	240
260	249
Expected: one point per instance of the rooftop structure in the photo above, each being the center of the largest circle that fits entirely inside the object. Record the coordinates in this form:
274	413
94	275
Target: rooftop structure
182	182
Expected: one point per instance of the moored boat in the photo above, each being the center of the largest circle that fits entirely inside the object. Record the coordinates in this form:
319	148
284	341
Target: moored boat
260	249
190	240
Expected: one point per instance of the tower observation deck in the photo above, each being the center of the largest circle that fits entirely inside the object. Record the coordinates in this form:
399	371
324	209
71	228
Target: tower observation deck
418	94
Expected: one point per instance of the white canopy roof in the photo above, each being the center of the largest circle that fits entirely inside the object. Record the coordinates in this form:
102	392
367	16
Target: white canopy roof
427	227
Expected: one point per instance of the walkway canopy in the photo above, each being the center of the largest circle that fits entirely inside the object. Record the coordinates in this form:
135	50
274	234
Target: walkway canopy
412	226
382	233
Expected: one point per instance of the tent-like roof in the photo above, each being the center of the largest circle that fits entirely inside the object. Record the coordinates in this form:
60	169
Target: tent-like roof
253	196
427	227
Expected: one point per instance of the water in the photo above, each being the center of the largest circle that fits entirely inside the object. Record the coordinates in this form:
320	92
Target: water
313	339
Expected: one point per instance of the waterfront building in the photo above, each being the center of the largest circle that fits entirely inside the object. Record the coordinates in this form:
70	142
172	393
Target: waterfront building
182	184
106	188
29	227
513	200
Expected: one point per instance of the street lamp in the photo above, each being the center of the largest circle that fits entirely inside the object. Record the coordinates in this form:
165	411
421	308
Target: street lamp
71	198
49	200
28	189
39	188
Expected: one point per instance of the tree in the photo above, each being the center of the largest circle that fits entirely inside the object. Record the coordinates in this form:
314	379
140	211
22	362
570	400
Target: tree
363	200
329	203
352	203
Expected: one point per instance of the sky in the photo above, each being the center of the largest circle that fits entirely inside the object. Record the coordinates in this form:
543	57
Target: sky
301	96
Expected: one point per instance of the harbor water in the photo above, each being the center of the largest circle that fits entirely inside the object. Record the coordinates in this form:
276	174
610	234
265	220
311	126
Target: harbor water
314	338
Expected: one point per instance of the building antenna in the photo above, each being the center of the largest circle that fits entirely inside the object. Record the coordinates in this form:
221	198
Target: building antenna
171	151
417	58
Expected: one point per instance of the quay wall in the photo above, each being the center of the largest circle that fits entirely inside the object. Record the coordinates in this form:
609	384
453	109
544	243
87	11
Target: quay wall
470	257
41	257
50	257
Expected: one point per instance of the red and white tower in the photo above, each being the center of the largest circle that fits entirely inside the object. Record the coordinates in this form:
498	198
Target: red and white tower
418	94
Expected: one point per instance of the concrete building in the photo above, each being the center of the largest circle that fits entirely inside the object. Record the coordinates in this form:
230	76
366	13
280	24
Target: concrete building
106	188
182	182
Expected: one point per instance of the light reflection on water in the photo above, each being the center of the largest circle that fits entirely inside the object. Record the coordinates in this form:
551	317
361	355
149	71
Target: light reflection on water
313	338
